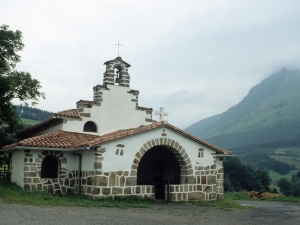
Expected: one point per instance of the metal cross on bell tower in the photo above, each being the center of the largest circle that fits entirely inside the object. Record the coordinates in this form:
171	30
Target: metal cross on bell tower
118	48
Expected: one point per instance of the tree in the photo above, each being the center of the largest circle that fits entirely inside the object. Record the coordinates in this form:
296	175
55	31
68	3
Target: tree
265	179
285	186
13	84
240	176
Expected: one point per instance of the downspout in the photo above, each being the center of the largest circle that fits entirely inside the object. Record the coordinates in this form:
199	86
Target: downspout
79	171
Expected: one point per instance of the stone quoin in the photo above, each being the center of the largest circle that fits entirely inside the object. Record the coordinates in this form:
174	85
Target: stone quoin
111	146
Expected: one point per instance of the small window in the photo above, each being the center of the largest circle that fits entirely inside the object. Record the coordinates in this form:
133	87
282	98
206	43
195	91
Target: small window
90	127
200	153
49	167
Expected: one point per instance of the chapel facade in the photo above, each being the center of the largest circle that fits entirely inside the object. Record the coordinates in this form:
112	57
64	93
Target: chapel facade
111	146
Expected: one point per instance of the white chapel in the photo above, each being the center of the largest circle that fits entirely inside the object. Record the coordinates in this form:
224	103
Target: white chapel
111	146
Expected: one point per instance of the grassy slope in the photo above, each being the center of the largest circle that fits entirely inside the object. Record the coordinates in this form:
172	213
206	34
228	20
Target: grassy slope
290	155
276	176
28	122
270	113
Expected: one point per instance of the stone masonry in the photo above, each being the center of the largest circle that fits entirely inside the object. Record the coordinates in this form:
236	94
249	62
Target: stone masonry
63	184
200	183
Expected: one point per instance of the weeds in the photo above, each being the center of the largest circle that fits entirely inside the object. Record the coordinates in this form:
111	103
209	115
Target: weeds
12	193
245	196
223	204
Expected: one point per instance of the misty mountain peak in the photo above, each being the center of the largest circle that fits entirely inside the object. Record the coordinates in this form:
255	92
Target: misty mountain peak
271	102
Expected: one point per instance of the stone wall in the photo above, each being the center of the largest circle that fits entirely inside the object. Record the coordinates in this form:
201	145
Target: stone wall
198	183
208	186
63	184
113	183
98	184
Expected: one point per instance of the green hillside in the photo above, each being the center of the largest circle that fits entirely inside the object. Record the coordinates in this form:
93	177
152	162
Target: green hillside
269	116
29	122
276	176
32	113
290	155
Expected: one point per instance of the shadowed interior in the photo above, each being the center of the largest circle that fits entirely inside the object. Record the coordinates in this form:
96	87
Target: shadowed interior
155	168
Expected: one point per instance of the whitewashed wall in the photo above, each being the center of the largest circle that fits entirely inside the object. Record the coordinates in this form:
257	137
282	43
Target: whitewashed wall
88	159
133	144
17	175
116	112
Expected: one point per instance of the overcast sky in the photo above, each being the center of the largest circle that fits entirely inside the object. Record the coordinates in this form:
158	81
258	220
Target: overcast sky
195	58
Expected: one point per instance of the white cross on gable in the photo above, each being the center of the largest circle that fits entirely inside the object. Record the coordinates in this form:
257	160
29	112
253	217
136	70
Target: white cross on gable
161	113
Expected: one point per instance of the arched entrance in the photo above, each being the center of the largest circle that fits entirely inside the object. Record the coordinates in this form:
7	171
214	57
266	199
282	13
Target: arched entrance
49	167
156	167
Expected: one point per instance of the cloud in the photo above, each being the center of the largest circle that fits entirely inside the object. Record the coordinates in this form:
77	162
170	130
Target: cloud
195	58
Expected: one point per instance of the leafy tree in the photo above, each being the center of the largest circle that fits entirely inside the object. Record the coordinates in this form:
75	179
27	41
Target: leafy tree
265	179
239	177
285	186
13	84
258	160
274	190
227	184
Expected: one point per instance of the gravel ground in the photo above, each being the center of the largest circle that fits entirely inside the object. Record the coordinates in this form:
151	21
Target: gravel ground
264	213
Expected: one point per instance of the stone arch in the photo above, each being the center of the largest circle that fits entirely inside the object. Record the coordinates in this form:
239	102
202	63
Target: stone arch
61	159
118	72
184	161
119	67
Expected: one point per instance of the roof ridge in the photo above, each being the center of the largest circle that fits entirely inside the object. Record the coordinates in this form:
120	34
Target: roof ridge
70	139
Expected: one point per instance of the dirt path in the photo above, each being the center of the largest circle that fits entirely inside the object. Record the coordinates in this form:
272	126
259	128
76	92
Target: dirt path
264	213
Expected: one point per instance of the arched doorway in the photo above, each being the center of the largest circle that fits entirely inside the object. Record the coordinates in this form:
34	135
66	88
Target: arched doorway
156	167
49	167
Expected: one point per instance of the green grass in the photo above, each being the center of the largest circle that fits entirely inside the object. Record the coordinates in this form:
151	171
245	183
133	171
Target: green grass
28	122
12	193
245	196
290	155
276	176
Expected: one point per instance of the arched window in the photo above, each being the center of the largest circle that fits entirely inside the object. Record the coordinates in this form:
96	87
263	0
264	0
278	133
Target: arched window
90	127
118	74
49	167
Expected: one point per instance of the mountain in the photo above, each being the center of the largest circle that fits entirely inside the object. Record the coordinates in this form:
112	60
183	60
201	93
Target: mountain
269	115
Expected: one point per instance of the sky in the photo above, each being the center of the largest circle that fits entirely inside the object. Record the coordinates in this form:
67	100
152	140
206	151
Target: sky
194	58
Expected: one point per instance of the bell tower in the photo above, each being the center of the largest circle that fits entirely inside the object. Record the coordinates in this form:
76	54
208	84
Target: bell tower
116	73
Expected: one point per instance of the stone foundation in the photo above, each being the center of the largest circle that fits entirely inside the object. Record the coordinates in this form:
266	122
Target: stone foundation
208	187
198	183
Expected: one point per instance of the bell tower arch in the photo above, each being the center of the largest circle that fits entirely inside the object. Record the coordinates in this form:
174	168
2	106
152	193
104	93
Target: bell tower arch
116	72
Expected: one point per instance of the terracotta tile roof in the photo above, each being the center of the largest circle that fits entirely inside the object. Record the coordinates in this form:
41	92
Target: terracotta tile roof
144	108
66	139
45	121
56	139
71	113
207	144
